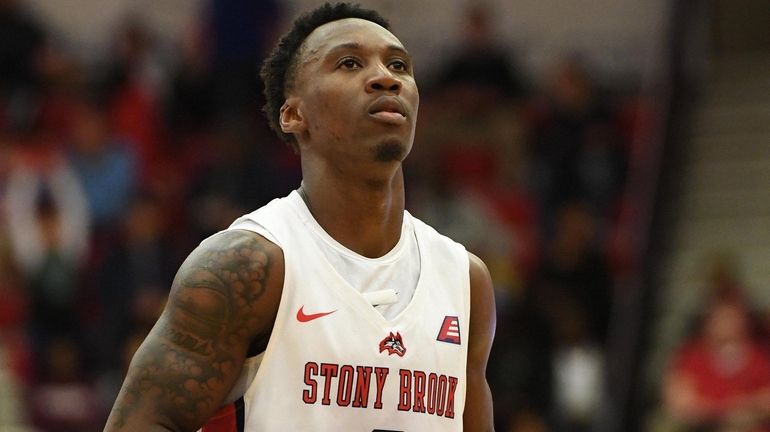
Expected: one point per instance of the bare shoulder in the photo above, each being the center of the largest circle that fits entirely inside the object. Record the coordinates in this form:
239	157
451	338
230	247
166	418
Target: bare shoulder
478	414
479	271
224	296
483	316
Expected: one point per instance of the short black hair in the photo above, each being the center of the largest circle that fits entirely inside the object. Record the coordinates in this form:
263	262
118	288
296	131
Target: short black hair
279	67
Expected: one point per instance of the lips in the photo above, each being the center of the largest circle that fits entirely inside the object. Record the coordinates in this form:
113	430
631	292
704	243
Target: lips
388	109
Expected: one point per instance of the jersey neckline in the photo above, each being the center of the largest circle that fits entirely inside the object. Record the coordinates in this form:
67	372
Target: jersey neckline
351	295
407	230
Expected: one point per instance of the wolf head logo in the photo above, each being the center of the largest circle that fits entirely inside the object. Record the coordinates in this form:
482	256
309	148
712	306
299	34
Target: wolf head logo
394	344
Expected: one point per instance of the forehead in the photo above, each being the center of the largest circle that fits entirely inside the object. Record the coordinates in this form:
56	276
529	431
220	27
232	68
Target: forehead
349	30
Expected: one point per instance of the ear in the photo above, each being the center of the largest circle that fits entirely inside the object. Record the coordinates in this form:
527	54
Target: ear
291	119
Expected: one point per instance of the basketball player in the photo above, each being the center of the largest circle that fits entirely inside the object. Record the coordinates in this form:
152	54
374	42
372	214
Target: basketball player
331	309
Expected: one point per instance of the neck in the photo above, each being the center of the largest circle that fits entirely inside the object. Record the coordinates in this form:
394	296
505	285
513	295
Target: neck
364	216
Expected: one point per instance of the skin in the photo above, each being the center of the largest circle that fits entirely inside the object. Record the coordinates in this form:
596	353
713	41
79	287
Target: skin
226	294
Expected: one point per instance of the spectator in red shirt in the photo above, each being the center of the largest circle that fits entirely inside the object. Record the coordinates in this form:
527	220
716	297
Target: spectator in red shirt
720	379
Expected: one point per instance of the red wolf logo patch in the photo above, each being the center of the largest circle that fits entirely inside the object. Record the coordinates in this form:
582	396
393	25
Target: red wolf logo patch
394	344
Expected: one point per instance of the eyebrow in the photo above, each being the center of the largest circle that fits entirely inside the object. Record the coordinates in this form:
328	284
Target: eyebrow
358	46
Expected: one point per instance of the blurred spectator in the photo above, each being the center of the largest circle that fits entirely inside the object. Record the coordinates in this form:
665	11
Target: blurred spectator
574	274
481	69
134	277
134	84
63	400
472	127
136	60
21	42
240	32
719	380
577	149
21	39
190	102
104	164
572	292
485	143
48	224
63	82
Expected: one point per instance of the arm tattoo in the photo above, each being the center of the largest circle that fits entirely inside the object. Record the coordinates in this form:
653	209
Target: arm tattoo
194	353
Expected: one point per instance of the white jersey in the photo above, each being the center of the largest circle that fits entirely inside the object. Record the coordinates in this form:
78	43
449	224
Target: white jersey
334	363
388	282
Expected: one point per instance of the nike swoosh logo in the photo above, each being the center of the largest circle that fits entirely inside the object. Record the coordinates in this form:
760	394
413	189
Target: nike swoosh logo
303	317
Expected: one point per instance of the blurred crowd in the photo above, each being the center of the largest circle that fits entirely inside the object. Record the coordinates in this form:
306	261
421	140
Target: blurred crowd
112	171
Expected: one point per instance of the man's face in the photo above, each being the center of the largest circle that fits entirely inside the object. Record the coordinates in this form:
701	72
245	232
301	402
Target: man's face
355	94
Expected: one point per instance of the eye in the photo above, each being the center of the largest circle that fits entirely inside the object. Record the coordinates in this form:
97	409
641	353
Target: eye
399	65
348	63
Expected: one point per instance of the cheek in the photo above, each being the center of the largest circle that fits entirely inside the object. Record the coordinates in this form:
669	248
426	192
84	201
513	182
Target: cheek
326	107
325	121
412	95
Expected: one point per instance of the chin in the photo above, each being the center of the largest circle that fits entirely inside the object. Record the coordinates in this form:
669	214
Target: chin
390	151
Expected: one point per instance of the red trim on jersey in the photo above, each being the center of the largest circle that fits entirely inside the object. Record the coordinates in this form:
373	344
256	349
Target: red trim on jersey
228	419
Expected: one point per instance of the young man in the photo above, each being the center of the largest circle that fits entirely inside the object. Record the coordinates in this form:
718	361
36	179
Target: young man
332	308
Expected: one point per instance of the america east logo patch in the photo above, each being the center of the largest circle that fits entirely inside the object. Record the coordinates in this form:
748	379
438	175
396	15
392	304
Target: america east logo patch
450	330
394	344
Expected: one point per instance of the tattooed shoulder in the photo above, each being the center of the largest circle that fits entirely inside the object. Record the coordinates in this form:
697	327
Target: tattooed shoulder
225	295
224	279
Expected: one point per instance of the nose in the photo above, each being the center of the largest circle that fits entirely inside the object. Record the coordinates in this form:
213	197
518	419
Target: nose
383	80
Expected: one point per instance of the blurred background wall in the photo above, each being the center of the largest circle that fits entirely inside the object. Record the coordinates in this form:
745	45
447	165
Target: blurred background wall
607	159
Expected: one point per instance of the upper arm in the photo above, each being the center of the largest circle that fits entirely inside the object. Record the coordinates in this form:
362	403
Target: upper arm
224	295
478	403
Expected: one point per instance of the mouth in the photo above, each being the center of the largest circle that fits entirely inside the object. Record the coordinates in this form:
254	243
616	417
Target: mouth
388	109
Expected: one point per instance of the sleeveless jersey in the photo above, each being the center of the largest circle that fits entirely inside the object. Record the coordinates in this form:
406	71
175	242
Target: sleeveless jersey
334	363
